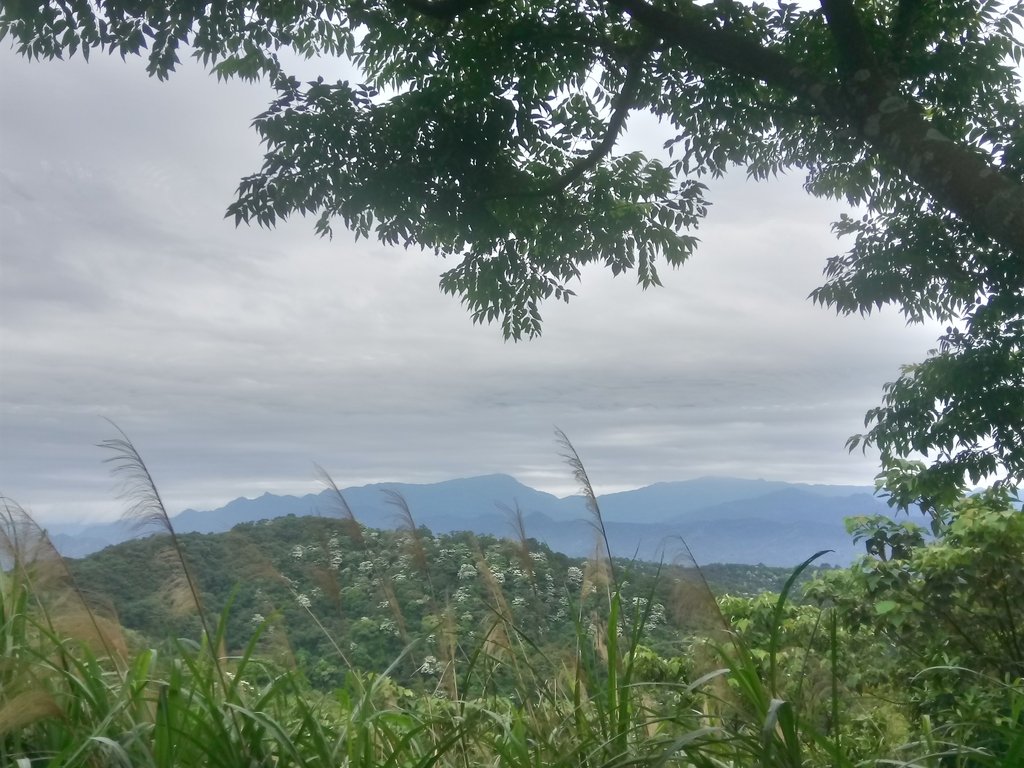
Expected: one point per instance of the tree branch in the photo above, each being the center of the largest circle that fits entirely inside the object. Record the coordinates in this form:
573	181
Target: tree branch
623	103
847	31
687	27
907	15
892	126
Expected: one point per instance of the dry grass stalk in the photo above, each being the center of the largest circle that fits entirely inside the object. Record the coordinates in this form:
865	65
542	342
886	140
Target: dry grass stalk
572	458
146	508
415	547
447	648
597	574
522	541
355	532
497	596
99	633
693	603
26	548
351	525
496	644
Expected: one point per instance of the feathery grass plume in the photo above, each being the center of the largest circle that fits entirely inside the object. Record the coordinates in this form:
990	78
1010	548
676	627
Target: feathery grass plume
101	632
447	648
352	527
499	606
383	579
694	605
414	547
26	547
495	645
27	707
522	541
579	472
615	700
597	574
414	538
146	508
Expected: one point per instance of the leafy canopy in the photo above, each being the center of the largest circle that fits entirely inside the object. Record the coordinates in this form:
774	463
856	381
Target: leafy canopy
485	130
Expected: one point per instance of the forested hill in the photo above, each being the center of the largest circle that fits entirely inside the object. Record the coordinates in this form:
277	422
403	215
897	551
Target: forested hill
340	588
726	520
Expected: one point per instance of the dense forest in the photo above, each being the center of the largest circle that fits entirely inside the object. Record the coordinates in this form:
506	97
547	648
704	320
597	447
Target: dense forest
377	591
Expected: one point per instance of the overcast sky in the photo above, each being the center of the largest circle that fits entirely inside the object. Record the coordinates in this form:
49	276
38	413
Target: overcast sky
236	358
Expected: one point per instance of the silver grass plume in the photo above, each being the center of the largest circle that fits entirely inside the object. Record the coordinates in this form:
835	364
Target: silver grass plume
26	548
381	577
414	541
572	458
514	514
355	531
146	509
695	600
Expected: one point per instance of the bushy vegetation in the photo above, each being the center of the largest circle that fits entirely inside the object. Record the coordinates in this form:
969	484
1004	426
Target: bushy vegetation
503	653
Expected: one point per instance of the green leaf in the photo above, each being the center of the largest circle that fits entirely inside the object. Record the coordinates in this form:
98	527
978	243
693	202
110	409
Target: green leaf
883	607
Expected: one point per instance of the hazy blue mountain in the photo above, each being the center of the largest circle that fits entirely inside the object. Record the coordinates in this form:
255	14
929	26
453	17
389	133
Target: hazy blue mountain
672	501
793	504
465	500
75	545
721	519
243	510
780	528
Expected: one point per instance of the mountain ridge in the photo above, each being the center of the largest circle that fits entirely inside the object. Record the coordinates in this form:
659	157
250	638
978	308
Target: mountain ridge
721	519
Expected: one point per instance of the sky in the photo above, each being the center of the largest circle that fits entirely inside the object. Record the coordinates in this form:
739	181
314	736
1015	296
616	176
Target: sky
238	358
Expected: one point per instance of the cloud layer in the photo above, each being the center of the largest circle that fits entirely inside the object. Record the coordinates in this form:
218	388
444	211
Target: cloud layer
235	358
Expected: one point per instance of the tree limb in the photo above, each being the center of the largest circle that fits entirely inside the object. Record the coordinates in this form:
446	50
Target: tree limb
687	27
623	103
847	31
907	15
891	125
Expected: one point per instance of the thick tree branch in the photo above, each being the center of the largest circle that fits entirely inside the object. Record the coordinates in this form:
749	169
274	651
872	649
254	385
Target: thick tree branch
907	15
687	27
892	126
623	103
957	177
847	31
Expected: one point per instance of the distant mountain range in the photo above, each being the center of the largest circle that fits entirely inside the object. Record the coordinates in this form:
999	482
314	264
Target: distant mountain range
721	519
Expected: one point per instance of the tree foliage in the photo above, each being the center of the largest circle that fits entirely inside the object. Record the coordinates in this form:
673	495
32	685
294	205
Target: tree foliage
942	618
485	130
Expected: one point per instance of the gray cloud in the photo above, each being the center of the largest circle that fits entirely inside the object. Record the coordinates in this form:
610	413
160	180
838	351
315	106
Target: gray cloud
235	357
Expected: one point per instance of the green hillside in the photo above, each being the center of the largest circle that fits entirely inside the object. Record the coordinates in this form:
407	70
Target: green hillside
343	589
